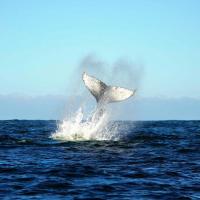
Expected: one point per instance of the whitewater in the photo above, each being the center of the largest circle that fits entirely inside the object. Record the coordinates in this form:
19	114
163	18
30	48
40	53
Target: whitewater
80	128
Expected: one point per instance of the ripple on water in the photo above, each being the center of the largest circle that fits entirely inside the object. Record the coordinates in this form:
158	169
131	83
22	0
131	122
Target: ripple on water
151	160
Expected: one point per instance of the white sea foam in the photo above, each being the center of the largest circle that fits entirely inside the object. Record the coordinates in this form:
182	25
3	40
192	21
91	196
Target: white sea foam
76	128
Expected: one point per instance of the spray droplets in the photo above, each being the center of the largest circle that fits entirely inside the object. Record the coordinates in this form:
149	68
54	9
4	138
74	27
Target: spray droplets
78	129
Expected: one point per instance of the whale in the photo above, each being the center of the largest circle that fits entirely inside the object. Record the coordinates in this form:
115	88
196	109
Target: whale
104	93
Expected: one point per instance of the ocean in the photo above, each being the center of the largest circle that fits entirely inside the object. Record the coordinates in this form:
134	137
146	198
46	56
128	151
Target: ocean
150	160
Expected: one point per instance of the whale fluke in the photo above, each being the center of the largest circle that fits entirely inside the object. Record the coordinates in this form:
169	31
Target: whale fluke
104	93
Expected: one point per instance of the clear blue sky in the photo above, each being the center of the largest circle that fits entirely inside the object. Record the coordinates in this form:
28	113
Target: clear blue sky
42	41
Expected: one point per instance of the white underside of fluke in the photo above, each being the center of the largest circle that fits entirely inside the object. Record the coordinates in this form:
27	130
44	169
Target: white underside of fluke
104	93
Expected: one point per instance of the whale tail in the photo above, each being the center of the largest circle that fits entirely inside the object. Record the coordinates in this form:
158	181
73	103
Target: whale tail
104	93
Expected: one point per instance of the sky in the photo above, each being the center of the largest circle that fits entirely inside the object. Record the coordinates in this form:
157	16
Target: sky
42	43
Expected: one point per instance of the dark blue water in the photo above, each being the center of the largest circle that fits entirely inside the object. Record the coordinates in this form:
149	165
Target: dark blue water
155	160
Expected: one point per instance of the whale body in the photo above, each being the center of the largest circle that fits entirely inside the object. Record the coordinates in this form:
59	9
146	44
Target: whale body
104	94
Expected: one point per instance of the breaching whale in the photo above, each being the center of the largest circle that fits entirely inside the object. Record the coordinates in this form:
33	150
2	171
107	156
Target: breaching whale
104	93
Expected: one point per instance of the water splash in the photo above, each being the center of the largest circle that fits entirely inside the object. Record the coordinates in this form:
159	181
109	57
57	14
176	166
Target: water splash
75	128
